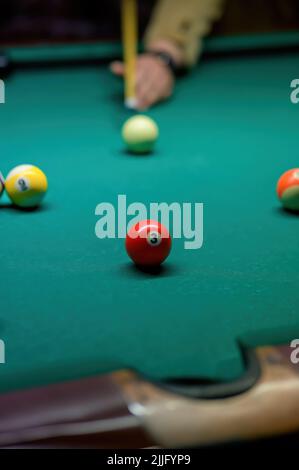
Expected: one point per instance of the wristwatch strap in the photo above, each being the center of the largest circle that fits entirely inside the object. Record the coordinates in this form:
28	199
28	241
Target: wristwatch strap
166	59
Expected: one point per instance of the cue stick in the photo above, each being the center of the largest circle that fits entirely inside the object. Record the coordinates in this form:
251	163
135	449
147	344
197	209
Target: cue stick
130	40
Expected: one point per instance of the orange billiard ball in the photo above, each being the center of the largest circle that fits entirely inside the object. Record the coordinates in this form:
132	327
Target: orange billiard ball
288	189
148	243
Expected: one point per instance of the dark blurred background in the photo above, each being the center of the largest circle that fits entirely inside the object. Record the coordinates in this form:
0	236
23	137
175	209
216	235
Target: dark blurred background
68	20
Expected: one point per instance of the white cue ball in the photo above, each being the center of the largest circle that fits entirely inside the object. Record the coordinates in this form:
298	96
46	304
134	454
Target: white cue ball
140	134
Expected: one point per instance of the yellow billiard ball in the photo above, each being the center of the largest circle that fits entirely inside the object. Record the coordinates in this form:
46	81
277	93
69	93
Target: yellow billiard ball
140	134
26	186
1	184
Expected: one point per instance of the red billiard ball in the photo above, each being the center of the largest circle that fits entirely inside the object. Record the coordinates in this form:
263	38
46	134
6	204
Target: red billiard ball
148	243
288	189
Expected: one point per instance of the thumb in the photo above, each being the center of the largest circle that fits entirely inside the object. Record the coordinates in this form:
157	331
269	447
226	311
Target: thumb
117	68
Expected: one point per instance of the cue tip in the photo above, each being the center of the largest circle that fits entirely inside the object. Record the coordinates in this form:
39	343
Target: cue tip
131	103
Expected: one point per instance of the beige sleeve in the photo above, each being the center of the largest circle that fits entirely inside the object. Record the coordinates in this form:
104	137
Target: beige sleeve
184	22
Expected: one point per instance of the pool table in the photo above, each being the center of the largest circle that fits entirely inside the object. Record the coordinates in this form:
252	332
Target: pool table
100	353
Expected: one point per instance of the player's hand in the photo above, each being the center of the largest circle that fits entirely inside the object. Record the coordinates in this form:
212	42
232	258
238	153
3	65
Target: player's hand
155	81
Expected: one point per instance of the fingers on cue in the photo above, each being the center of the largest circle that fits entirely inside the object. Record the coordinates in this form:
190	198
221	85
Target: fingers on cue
153	87
147	96
117	68
148	84
153	82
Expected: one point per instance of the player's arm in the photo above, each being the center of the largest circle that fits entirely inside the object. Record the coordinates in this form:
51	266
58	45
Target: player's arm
181	25
172	41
